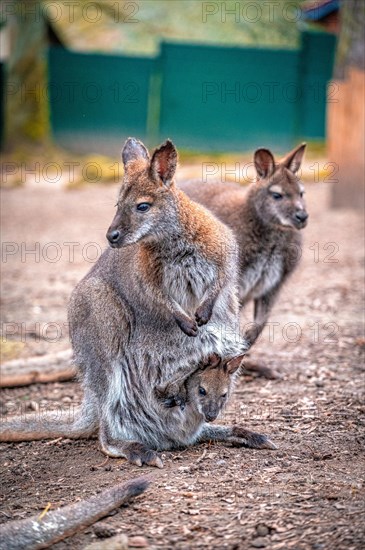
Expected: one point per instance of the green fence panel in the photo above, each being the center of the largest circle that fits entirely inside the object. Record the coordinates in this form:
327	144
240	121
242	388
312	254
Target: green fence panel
317	61
203	97
98	100
228	98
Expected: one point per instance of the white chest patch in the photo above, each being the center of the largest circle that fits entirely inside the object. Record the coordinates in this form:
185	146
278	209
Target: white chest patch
188	280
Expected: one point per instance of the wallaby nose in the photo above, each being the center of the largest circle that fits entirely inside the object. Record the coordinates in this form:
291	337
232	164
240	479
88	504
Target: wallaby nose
209	417
301	216
113	236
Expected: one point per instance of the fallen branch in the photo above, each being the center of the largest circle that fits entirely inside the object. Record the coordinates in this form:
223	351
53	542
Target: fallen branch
55	367
33	533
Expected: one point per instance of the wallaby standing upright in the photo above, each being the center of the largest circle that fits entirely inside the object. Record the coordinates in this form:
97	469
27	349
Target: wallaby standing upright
266	219
154	305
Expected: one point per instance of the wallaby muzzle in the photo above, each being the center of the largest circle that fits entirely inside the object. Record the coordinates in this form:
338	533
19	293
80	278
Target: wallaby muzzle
116	235
210	415
300	219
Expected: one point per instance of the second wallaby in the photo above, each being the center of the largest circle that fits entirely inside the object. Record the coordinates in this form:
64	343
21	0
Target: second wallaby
266	219
155	304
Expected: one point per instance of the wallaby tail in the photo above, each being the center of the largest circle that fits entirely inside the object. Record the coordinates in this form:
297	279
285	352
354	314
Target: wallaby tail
74	423
33	533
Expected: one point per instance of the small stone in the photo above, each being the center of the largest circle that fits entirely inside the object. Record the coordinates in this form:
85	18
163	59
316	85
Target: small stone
260	542
32	406
138	542
262	530
119	542
102	530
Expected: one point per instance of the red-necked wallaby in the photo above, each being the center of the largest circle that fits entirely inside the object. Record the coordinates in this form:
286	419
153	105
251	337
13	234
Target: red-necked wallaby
266	219
154	305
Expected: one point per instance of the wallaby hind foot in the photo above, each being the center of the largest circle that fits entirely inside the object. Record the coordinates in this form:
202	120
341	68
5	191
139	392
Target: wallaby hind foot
134	451
261	370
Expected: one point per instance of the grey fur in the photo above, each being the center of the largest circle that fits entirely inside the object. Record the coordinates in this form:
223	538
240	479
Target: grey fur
150	310
266	229
125	315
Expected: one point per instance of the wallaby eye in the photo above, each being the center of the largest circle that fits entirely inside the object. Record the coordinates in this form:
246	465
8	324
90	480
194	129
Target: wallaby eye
224	395
143	206
277	196
202	391
301	194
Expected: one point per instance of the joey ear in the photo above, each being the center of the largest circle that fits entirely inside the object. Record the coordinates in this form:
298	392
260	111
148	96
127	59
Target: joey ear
134	149
211	362
293	160
163	163
233	364
264	163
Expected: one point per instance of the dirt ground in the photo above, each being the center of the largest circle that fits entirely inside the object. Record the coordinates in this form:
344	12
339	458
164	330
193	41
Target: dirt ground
309	494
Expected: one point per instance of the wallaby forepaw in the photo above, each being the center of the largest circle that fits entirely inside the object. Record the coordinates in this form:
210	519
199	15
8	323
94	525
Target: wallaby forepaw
138	454
188	326
203	314
245	438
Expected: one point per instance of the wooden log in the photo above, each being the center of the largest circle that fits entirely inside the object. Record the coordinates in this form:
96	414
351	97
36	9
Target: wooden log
44	530
55	367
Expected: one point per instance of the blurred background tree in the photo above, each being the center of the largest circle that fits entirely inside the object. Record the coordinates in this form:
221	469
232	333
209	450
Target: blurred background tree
346	116
27	106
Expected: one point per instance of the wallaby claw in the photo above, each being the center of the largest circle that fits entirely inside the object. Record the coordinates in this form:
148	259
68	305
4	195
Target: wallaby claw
244	438
138	454
203	314
188	326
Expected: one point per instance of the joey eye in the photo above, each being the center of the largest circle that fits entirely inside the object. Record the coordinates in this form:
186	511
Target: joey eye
202	391
224	395
143	206
277	196
301	194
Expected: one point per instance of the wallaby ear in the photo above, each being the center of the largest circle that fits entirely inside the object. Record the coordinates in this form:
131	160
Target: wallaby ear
234	364
264	163
133	150
293	160
163	163
211	362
